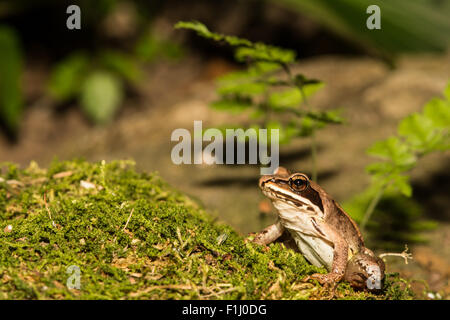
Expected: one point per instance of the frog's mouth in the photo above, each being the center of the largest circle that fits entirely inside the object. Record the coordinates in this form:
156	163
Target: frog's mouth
275	193
279	192
272	189
277	189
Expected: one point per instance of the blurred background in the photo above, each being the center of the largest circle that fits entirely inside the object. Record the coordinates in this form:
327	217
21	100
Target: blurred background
119	86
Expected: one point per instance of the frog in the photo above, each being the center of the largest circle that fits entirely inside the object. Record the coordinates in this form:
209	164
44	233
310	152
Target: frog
314	224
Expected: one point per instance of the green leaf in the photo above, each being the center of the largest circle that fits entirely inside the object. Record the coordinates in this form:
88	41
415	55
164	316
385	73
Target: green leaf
419	131
307	127
223	129
151	47
122	64
291	130
300	80
447	92
381	168
244	89
11	101
234	106
288	98
246	49
408	26
263	52
331	116
394	150
67	77
438	111
260	68
292	97
204	32
101	96
425	225
246	82
284	134
357	205
147	48
401	183
311	88
257	114
252	74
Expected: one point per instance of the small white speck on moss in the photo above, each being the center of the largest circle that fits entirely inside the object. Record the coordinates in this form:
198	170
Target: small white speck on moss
87	185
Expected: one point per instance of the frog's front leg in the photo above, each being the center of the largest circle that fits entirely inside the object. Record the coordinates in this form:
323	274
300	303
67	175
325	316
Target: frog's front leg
340	257
269	234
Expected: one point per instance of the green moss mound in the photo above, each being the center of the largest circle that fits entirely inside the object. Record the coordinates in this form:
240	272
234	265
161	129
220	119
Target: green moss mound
134	237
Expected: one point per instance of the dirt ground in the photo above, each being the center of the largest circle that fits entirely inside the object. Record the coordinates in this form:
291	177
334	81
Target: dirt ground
373	96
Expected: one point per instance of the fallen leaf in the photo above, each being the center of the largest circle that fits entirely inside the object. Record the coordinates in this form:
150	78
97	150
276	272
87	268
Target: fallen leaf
136	275
87	185
62	174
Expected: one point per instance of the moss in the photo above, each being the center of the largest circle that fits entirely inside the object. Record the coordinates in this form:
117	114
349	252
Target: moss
134	237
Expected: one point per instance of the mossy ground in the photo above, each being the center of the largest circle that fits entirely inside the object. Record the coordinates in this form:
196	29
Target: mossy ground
134	237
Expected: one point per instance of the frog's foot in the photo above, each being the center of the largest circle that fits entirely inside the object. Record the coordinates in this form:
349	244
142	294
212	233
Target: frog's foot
250	237
268	235
329	279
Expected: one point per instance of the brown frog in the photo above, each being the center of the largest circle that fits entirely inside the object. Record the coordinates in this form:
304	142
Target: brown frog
321	231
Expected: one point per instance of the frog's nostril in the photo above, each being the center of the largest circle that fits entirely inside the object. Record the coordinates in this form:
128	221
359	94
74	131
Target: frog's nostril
263	180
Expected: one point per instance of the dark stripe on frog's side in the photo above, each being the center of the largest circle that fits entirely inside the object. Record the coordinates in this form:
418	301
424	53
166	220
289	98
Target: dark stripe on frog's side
337	217
314	223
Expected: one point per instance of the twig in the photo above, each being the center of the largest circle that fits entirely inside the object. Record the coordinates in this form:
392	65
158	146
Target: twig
62	174
48	210
217	294
128	220
405	255
126	223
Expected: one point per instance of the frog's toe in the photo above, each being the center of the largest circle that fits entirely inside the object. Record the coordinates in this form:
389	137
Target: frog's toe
250	237
324	279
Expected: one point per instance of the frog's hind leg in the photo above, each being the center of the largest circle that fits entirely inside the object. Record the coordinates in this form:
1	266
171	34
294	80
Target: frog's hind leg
269	234
340	257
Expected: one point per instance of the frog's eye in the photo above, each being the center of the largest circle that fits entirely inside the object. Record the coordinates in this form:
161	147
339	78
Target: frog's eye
298	183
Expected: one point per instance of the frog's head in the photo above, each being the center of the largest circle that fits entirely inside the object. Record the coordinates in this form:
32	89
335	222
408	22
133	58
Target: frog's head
365	271
295	190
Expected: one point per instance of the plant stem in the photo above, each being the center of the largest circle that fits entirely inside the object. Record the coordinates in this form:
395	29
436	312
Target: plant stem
370	209
313	134
288	72
305	101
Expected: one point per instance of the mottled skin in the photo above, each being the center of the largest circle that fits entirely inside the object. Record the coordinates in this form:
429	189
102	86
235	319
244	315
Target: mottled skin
351	260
